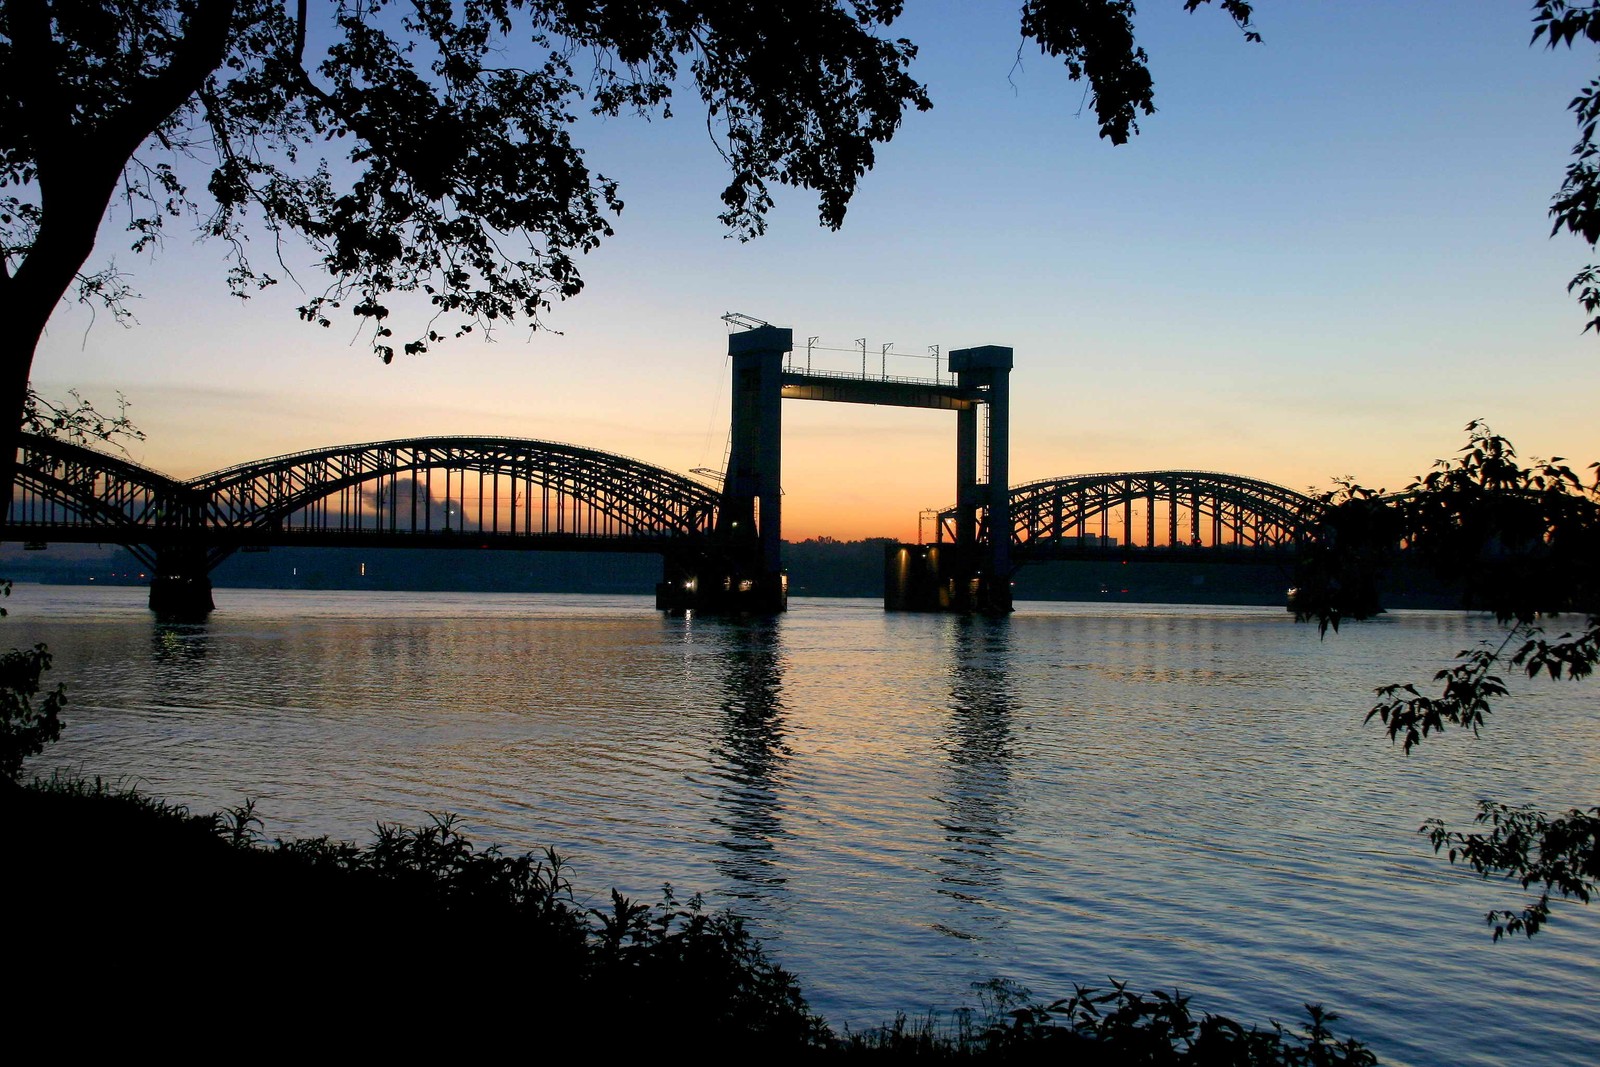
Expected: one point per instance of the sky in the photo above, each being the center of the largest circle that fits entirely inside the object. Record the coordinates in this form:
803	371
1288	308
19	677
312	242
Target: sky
1321	257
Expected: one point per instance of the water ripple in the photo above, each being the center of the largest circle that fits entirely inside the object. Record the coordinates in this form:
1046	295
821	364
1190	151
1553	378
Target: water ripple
903	804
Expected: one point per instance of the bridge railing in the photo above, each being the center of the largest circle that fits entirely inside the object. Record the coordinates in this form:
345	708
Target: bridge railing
941	380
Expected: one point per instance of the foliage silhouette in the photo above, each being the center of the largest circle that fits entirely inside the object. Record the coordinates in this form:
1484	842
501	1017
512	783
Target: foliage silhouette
420	918
1576	207
176	895
1524	543
77	420
26	725
1561	855
1112	1027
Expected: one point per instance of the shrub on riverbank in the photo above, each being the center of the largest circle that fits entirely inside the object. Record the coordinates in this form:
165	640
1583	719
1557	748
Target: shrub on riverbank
417	932
135	923
1094	1028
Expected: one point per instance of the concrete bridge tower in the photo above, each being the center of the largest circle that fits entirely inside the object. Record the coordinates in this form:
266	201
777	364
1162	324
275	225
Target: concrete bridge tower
974	573
741	570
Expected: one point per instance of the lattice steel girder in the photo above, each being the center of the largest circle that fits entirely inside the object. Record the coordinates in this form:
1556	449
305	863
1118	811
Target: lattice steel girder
100	490
638	496
1048	509
71	486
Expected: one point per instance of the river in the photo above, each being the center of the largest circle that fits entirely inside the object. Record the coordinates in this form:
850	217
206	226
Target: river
903	805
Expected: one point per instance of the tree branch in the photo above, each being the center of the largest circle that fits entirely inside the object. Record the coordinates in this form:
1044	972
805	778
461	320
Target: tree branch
203	48
33	76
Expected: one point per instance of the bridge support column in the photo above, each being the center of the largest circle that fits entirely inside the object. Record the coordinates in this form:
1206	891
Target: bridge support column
968	497
942	577
974	573
720	583
743	575
181	587
984	568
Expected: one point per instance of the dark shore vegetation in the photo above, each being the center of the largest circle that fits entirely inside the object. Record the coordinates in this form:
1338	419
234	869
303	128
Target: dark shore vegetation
133	922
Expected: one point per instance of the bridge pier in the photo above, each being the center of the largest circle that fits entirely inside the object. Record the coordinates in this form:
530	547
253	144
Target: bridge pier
981	564
943	577
721	583
181	587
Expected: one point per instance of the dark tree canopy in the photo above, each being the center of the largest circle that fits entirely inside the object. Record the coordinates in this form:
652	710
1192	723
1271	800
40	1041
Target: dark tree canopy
424	147
428	147
1576	208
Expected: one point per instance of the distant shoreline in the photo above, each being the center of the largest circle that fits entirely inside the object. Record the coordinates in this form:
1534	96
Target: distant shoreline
817	568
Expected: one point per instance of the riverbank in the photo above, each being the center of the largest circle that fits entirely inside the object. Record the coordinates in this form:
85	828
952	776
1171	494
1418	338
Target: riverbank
139	924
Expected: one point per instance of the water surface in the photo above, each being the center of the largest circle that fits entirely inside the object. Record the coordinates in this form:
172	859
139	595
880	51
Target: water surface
904	805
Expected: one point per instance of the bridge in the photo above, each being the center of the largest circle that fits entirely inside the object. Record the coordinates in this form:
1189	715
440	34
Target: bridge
720	544
443	492
1150	514
1145	516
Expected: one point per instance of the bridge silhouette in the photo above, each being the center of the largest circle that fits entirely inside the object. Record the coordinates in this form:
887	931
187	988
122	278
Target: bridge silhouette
1222	515
719	544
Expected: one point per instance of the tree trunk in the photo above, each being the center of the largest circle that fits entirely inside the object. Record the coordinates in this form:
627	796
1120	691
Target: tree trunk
16	360
77	171
29	297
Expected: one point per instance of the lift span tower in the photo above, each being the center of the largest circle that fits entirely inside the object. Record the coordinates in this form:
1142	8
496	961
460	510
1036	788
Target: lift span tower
739	569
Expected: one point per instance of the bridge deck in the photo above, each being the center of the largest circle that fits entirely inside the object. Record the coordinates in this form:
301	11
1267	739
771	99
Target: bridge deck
228	539
884	391
1049	552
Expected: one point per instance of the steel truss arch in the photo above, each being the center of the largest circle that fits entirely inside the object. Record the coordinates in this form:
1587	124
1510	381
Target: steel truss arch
594	493
64	490
532	491
1232	508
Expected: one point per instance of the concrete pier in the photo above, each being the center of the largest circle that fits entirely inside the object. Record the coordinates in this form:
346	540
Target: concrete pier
942	578
180	590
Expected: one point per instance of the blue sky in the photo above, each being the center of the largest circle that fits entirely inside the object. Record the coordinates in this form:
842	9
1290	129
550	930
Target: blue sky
1322	256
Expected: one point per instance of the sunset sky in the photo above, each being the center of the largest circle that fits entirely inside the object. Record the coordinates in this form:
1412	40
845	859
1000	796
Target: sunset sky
1321	257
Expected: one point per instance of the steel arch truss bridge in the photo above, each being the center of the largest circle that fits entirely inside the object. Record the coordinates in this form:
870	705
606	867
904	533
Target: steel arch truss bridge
1156	513
477	492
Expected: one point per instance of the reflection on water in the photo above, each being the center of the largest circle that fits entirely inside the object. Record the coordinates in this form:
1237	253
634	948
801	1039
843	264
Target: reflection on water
752	754
904	805
977	794
175	643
